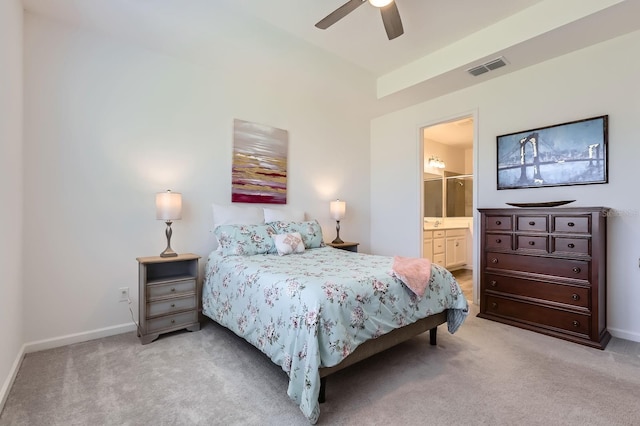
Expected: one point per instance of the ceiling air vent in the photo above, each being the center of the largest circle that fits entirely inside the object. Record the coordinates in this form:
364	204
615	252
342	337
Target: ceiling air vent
489	66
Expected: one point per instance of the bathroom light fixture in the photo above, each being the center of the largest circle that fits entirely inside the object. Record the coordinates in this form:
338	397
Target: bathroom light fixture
168	208
338	209
435	162
380	3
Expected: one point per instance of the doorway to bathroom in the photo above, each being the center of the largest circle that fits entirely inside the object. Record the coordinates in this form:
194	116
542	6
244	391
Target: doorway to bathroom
448	196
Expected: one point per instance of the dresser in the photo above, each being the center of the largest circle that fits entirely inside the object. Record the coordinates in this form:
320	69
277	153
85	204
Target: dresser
168	295
545	270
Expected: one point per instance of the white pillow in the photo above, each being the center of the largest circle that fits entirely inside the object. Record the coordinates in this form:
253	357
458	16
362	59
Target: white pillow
288	243
284	215
236	215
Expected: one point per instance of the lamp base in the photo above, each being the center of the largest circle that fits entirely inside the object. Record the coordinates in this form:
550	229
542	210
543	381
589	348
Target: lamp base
337	241
168	252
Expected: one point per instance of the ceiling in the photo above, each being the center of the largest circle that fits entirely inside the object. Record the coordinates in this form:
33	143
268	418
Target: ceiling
442	39
458	133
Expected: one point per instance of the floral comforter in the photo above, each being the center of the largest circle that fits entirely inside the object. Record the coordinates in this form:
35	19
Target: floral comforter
312	309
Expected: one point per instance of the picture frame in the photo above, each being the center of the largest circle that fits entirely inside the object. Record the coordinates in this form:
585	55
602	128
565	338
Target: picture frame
571	153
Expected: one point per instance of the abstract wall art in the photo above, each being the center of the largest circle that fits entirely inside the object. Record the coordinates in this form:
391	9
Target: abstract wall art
259	170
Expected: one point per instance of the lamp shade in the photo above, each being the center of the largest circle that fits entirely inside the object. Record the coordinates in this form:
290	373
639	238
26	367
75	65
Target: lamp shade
168	205
338	209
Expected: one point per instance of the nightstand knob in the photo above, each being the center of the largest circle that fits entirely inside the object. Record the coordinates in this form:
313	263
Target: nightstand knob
173	289
498	240
173	305
494	305
532	223
494	260
493	283
571	224
498	222
173	321
576	270
576	323
571	245
575	296
532	243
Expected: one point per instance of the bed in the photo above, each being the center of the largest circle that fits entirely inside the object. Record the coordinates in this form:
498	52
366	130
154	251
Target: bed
315	309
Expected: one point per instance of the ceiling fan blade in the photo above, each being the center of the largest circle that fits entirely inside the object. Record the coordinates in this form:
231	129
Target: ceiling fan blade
391	20
339	13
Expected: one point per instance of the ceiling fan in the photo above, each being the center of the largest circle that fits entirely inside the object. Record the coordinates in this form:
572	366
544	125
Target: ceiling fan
388	10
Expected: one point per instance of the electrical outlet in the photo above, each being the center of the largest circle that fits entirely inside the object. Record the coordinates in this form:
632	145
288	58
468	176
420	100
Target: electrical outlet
124	294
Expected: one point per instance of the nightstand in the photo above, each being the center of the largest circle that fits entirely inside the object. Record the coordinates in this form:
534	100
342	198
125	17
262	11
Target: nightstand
169	296
345	246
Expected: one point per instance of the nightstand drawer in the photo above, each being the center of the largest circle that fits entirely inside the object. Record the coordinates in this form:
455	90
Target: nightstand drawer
558	293
168	306
172	321
538	315
155	291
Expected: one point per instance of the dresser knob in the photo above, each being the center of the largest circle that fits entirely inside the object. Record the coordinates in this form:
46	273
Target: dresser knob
575	296
576	323
571	224
532	243
493	283
498	240
571	245
576	270
532	223
494	305
498	222
494	260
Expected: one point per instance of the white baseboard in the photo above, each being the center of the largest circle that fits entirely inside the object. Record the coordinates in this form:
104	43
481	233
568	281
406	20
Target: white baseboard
6	386
69	339
623	334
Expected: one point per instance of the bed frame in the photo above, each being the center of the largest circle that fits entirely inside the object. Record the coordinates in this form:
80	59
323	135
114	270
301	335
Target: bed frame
384	342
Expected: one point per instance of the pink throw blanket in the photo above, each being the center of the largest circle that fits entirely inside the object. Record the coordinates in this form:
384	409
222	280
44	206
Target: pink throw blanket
414	272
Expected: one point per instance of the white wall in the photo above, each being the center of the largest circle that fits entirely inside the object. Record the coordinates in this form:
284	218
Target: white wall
602	79
11	192
109	124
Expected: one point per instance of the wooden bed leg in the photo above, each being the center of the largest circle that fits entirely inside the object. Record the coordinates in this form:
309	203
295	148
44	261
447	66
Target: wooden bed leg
433	334
323	386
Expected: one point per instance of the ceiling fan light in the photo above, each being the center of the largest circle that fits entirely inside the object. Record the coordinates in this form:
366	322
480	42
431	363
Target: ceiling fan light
380	3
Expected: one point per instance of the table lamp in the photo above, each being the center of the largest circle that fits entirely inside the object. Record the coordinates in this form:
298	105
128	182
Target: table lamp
168	208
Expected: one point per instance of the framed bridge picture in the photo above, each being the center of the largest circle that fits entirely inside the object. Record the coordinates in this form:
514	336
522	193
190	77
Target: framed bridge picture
573	153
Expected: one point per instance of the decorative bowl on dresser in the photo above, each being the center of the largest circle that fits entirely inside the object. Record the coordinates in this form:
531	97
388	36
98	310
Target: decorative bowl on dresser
545	270
169	298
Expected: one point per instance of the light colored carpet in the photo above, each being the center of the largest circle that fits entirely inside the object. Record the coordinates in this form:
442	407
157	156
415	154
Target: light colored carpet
485	374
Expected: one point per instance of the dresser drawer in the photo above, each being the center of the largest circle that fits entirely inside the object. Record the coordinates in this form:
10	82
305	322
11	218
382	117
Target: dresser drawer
569	268
572	245
455	233
498	223
540	316
532	223
155	291
498	241
572	224
438	233
558	293
530	242
172	321
168	306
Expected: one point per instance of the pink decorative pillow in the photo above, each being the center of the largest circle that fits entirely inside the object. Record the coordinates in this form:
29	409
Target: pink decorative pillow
289	243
